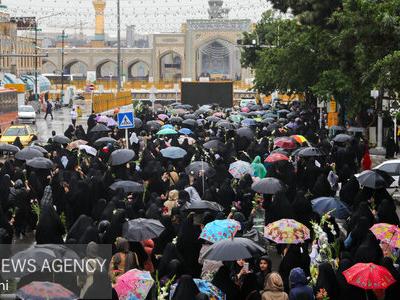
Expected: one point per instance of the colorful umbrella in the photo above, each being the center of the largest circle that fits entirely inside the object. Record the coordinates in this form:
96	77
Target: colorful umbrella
191	141
166	131
219	230
369	276
287	231
204	287
388	233
134	285
168	126
240	168
101	119
285	143
111	122
274	157
37	290
300	139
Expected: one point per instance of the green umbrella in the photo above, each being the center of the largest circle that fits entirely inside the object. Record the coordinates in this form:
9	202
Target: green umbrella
166	131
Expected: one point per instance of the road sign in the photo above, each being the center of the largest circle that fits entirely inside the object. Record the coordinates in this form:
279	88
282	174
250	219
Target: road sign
125	120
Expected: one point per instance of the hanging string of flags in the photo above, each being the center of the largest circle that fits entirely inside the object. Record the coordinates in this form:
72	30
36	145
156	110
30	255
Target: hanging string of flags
149	16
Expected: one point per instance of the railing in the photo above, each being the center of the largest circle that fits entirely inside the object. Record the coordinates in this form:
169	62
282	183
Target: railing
104	102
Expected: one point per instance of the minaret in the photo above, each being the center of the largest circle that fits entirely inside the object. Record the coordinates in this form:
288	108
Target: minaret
99	6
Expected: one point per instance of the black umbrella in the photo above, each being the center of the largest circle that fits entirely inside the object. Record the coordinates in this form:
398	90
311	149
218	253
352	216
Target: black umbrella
310	152
213	119
225	124
128	186
375	180
201	122
215	145
190	122
104	141
100	128
342	138
39	148
138	122
245	132
198	168
8	148
233	249
272	127
61	139
184	106
138	230
268	120
173	152
40	163
190	116
28	153
121	156
175	120
296	152
292	115
283	111
202	205
268	186
153	125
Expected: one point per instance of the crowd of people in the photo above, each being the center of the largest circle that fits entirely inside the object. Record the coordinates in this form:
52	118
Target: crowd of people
77	206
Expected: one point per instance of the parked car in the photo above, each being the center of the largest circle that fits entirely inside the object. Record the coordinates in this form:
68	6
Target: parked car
25	133
392	167
26	114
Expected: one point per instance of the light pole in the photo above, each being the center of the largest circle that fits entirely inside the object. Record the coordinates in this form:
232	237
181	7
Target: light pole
63	36
377	95
119	46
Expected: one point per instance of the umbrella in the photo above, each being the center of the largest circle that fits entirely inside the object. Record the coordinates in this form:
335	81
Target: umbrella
233	249
168	126
104	141
162	117
37	290
245	132
184	106
28	153
225	124
272	127
215	145
176	120
219	230
121	156
8	148
285	143
268	186
268	120
76	144
337	128
388	233
341	138
138	122
40	163
287	231
191	141
100	128
166	131
369	276
280	151
173	152
190	122
198	168
297	151
205	287
356	129
202	205
213	119
102	119
274	157
185	131
134	284
128	186
300	139
240	168
61	139
201	122
373	179
153	125
89	150
111	122
283	111
190	116
248	122
138	230
338	209
309	152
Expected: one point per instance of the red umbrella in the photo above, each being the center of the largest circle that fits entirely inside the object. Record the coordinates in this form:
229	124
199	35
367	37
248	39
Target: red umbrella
369	276
285	143
274	157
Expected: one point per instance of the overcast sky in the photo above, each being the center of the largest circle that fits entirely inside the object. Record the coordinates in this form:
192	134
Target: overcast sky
149	16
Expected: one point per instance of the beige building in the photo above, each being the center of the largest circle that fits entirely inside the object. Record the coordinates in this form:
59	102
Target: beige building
22	47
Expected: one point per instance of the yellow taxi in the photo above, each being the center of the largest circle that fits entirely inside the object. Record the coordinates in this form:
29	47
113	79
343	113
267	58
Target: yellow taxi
25	132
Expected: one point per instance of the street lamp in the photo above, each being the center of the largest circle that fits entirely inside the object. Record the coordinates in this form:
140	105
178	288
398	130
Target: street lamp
63	36
119	46
377	95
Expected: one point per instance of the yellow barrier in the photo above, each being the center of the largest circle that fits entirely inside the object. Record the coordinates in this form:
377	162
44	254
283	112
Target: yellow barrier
104	102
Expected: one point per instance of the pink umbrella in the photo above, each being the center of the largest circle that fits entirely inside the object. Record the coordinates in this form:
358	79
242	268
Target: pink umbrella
134	284
162	117
245	109
111	122
102	119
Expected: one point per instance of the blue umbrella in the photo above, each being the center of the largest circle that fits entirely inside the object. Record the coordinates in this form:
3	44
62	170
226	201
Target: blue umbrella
337	208
173	152
185	131
248	122
167	126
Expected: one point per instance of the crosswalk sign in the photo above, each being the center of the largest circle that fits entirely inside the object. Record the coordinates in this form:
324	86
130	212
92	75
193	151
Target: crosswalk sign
125	120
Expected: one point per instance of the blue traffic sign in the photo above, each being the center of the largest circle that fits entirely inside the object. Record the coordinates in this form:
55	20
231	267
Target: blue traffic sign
125	120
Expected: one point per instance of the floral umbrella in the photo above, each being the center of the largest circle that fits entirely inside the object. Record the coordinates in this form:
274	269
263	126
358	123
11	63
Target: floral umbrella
220	230
369	276
37	290
240	168
388	233
134	285
287	231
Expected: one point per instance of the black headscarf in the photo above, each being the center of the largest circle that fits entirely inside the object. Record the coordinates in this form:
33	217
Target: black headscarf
186	289
387	213
327	280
